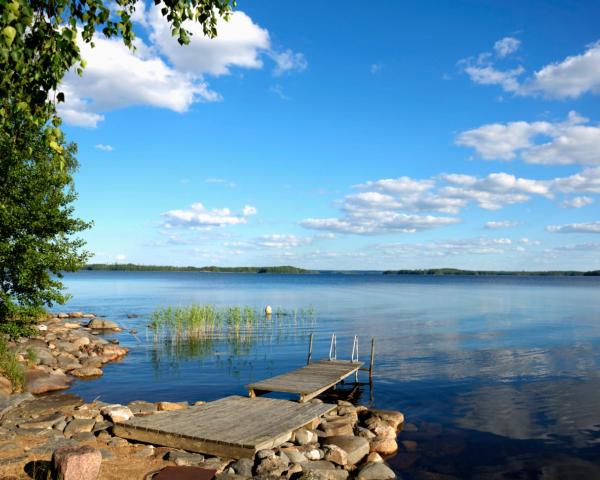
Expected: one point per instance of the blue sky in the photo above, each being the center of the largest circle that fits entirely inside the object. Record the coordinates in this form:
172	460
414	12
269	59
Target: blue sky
327	135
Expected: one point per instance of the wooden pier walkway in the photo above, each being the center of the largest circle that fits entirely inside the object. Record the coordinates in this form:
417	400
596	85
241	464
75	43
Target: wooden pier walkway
309	381
232	427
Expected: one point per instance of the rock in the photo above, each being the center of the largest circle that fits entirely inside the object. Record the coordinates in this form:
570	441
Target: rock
44	356
383	430
243	467
116	413
67	362
77	463
72	325
46	422
141	407
376	471
392	417
294	455
75	315
215	463
384	445
62	315
322	470
13	401
132	315
117	442
83	437
365	433
356	448
107	454
261	454
144	451
313	454
374	457
272	466
409	445
5	386
304	436
38	381
86	372
101	324
171	406
336	455
103	436
79	425
199	402
81	342
184	459
68	347
101	425
337	426
93	362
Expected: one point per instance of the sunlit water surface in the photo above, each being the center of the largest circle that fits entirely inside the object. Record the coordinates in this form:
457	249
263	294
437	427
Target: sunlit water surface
500	375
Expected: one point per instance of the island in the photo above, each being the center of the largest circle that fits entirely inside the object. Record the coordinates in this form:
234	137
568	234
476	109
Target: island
131	267
522	273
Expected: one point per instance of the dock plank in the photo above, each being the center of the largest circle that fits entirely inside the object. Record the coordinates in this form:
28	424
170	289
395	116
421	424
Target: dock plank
308	381
232	427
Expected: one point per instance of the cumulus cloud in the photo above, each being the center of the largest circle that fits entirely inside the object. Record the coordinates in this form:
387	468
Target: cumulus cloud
571	77
197	216
497	225
577	202
162	73
449	248
506	46
573	141
116	77
591	227
288	61
104	147
279	241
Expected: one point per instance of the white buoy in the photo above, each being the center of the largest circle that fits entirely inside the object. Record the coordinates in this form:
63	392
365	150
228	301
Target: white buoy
268	310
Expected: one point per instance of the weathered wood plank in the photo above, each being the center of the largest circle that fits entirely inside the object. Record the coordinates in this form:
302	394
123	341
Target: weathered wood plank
233	427
308	381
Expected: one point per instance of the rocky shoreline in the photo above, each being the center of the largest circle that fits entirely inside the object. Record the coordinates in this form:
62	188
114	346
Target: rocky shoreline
60	436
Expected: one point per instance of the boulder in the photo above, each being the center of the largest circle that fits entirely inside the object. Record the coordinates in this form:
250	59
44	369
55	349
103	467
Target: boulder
37	381
43	356
116	413
392	417
85	372
170	406
376	471
45	422
356	448
141	407
101	324
336	455
294	455
243	467
72	325
304	436
383	430
374	457
273	466
79	425
184	459
75	315
81	342
322	470
67	362
5	386
77	462
384	445
337	426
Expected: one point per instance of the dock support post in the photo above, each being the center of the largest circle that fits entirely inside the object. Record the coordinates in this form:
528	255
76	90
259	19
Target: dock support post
372	361
310	345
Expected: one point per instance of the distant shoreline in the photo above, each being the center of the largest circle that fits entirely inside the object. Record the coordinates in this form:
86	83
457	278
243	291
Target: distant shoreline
288	269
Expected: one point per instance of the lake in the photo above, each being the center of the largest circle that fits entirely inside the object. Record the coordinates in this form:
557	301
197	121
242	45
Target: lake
499	377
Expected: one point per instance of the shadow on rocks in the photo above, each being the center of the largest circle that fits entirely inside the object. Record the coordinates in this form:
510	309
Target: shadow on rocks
39	469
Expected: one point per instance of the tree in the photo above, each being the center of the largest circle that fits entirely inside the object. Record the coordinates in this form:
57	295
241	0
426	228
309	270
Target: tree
36	224
39	44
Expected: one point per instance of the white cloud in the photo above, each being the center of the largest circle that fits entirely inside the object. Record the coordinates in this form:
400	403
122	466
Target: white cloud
497	225
278	241
162	73
104	147
586	181
506	46
238	44
120	257
116	77
221	181
569	78
591	227
450	248
278	90
197	216
573	141
577	202
288	61
249	210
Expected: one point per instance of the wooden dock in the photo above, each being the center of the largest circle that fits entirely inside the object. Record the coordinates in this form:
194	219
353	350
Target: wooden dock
309	381
232	427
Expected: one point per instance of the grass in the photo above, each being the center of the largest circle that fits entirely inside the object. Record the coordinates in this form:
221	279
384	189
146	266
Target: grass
197	330
10	366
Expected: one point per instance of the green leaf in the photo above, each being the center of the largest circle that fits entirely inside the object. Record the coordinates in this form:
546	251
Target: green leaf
9	35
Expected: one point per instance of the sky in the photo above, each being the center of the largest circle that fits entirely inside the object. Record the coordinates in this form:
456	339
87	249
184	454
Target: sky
327	135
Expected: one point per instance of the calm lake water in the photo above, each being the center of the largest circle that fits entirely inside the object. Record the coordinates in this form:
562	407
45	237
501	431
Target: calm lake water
500	375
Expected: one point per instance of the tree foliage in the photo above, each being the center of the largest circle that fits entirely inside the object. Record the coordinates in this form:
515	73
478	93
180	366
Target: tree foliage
39	44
